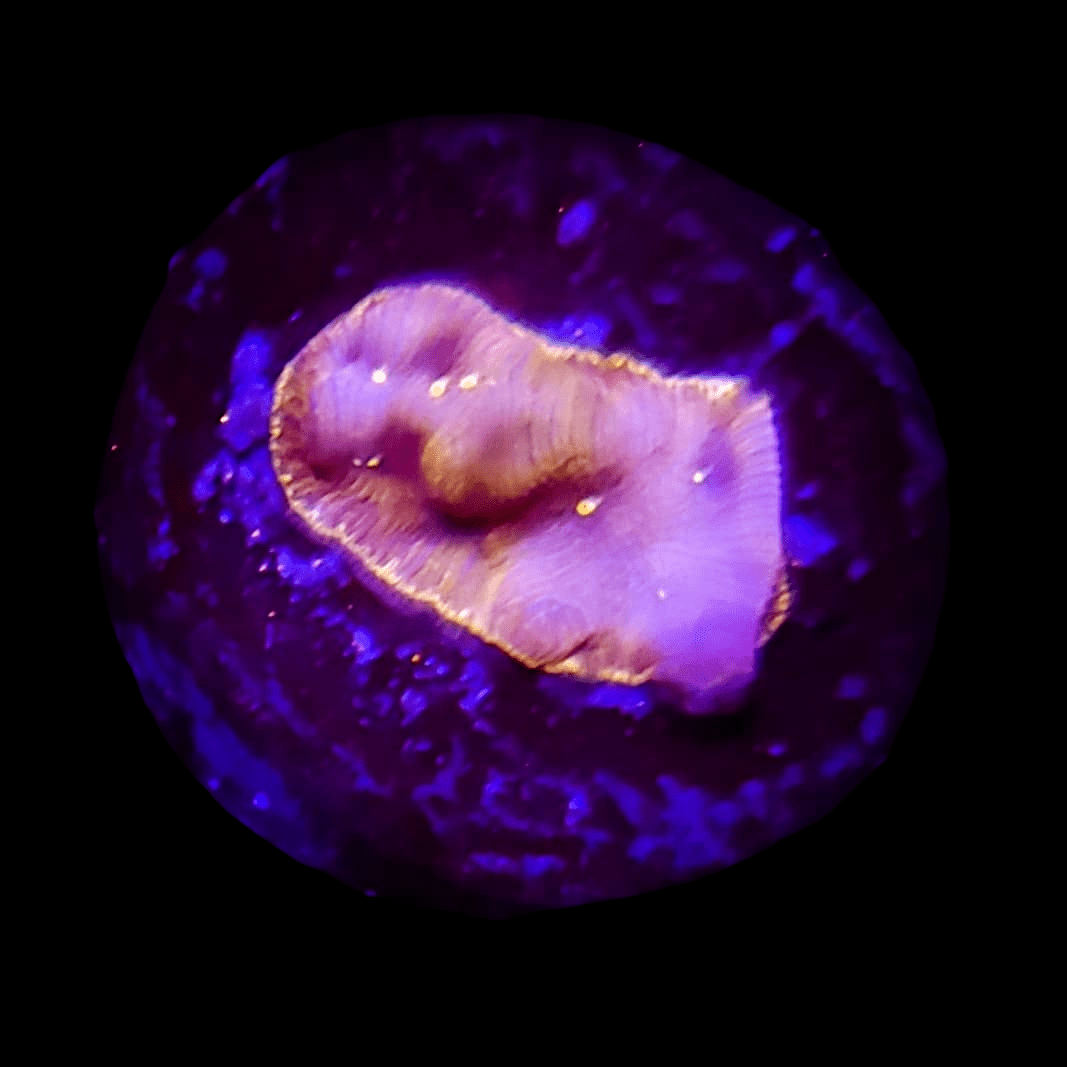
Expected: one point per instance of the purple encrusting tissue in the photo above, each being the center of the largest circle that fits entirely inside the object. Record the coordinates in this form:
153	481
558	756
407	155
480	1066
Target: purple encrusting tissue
409	759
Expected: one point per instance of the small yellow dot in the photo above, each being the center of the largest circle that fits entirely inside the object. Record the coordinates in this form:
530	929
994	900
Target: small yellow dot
698	477
374	461
438	388
378	376
225	418
587	505
468	382
661	594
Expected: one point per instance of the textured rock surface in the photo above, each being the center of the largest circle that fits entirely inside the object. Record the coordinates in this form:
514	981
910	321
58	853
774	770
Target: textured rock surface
352	734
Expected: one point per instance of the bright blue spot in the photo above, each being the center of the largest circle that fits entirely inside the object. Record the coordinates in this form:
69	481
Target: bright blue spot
806	539
630	700
536	866
576	223
160	549
366	649
806	492
805	279
211	263
851	687
470	702
783	334
780	239
343	270
295	570
261	801
577	808
495	784
872	728
592	331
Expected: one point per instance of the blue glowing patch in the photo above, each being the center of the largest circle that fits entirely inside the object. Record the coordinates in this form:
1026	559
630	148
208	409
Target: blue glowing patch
630	700
783	334
302	572
806	279
872	727
724	812
628	799
840	760
780	239
196	296
414	702
576	223
857	569
806	539
752	795
210	264
538	866
227	757
161	547
251	359
493	862
246	419
274	174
